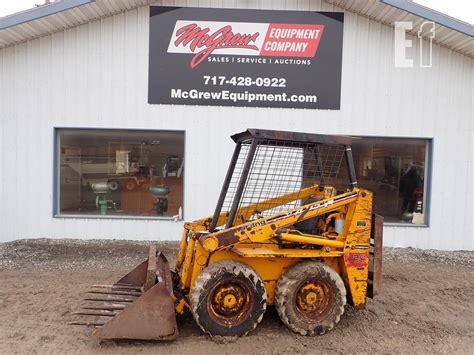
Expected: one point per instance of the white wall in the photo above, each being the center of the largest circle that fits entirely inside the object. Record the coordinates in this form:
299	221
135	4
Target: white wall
95	75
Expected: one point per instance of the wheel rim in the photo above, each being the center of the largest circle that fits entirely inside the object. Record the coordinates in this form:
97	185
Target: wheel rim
230	302
314	300
113	185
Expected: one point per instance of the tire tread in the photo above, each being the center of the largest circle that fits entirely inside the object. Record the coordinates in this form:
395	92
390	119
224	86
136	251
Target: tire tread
285	287
206	275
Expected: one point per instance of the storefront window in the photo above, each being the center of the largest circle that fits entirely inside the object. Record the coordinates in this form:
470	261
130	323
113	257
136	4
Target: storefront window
120	173
394	169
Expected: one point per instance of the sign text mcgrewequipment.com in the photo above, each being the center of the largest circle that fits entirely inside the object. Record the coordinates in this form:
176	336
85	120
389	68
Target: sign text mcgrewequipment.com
202	56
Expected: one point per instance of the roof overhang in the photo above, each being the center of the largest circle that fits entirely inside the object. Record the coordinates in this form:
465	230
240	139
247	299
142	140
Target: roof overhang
58	16
39	12
431	15
449	32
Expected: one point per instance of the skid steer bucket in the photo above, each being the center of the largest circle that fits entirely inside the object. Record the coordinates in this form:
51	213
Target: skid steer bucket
138	306
375	257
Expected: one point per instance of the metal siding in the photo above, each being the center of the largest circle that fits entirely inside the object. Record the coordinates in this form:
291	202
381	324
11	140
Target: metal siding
95	75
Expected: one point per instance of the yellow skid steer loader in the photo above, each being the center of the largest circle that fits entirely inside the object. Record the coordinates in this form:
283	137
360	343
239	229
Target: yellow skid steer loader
291	229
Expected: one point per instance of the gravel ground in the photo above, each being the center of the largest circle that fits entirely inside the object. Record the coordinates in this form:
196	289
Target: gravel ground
426	305
73	254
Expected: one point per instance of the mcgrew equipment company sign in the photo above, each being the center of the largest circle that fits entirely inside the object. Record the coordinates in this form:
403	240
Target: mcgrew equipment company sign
201	56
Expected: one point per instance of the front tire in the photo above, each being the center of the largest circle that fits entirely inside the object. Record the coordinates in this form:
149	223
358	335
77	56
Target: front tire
228	299
310	297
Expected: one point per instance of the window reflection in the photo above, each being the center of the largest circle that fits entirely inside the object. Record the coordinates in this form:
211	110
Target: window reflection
121	173
393	169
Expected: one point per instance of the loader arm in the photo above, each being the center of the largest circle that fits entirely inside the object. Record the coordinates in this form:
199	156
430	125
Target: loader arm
245	212
264	228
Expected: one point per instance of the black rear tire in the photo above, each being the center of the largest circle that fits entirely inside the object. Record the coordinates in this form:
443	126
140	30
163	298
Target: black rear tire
228	299
310	297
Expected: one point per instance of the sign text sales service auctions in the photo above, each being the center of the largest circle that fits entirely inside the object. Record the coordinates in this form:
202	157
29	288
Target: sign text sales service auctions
227	57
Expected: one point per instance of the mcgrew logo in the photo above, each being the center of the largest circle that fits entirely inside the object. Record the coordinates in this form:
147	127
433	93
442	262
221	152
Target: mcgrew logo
203	38
198	38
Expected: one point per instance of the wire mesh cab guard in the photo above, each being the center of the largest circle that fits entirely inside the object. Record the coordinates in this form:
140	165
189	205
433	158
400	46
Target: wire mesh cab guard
267	164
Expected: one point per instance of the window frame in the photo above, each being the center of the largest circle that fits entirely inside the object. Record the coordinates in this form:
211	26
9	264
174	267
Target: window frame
429	144
56	175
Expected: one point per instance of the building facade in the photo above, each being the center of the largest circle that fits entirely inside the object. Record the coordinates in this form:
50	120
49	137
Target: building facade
83	72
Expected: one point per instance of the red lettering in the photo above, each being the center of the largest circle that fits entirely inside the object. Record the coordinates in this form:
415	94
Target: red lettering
198	38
